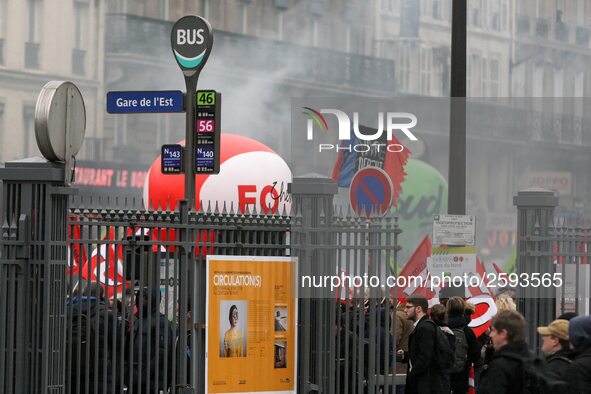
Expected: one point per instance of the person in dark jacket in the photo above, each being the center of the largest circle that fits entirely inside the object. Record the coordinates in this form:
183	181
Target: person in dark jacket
457	321
153	338
556	348
383	355
578	374
96	329
504	373
424	376
438	316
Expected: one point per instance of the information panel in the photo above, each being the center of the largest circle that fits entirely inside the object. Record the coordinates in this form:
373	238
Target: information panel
207	129
171	159
454	230
251	323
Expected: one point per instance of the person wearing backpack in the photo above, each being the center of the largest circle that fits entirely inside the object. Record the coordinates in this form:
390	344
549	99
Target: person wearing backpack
505	372
556	348
578	374
154	336
438	316
427	347
467	347
91	331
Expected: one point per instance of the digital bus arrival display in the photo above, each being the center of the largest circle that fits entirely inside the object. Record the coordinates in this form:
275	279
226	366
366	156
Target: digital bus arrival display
207	129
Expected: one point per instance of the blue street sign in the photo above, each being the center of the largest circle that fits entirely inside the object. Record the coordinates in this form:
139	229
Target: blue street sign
144	102
171	159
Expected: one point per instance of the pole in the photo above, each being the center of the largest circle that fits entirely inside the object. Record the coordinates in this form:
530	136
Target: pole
189	154
457	129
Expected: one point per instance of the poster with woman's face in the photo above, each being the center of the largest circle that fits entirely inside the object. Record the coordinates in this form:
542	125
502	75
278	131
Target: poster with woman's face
233	328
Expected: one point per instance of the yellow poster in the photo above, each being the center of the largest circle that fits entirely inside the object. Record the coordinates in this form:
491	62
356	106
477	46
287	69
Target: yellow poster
251	324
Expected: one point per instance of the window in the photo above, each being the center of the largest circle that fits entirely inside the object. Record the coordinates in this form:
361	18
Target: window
425	7
2	17
579	84
579	91
490	77
163	9
558	83
28	129
389	5
494	18
581	12
437	9
475	13
33	34
473	77
34	20
2	28
80	25
426	69
538	81
81	37
519	80
504	15
121	6
404	66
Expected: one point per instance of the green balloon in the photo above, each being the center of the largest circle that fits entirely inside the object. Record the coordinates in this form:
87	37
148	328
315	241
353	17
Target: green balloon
423	194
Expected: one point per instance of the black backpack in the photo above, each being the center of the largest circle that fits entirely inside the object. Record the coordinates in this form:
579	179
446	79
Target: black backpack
444	355
535	377
461	350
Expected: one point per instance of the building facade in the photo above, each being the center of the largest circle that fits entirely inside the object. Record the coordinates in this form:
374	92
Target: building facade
39	43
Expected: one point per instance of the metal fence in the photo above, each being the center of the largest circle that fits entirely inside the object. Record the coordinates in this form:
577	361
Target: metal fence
341	346
142	330
550	244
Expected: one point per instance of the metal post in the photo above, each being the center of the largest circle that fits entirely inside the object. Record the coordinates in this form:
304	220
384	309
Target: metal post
535	215
189	155
313	197
457	127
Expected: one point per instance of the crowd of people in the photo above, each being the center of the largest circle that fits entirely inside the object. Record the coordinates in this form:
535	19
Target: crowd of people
437	350
120	346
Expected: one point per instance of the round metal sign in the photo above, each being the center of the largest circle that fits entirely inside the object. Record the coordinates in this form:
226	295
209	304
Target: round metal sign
60	121
191	43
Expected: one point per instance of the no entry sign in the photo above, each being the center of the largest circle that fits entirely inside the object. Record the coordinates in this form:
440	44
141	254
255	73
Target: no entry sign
371	191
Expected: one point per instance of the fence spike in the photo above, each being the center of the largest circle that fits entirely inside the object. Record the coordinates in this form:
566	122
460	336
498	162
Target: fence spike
208	211
224	211
284	211
216	210
5	228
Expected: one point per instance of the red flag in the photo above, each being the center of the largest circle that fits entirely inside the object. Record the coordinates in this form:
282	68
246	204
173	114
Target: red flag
557	259
416	266
483	289
75	261
471	389
583	249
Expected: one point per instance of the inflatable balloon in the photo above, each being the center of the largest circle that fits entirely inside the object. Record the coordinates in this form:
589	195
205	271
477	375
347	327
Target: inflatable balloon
424	194
251	176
